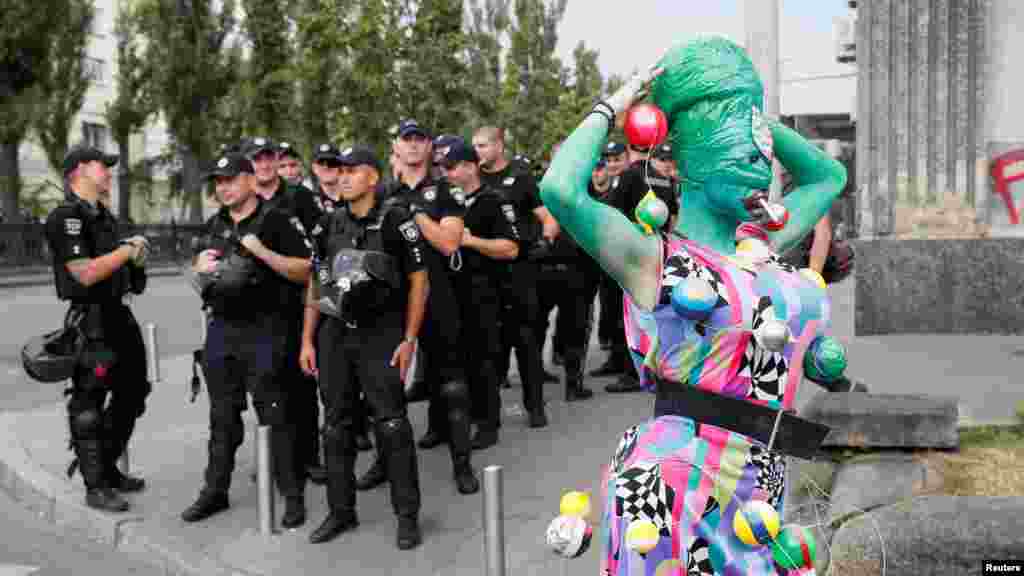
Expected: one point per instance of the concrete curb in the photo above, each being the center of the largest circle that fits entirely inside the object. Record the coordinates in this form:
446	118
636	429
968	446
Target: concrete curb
57	502
47	279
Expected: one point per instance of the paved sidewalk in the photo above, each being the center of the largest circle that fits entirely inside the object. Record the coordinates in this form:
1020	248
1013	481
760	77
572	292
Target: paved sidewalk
169	449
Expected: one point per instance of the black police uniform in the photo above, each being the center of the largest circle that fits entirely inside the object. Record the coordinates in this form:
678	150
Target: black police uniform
113	361
489	215
299	204
519	304
444	373
356	345
248	349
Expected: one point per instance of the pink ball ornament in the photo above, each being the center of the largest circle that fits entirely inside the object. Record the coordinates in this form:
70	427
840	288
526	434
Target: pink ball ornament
646	126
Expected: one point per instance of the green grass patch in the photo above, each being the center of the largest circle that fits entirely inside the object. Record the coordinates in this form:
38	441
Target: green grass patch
1011	436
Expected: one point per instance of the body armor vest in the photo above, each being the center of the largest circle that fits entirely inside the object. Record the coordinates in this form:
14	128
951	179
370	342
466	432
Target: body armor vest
356	276
236	268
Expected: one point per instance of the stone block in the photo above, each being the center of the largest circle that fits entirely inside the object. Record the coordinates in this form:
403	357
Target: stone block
862	420
930	535
947	286
880	479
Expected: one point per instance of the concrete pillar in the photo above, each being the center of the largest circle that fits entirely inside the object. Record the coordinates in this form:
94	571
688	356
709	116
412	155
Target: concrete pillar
1004	91
761	22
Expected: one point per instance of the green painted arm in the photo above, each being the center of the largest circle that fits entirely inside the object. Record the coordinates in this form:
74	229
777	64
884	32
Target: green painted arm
819	180
630	257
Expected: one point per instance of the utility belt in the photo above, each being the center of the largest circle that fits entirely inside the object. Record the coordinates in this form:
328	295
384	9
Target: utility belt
549	267
779	430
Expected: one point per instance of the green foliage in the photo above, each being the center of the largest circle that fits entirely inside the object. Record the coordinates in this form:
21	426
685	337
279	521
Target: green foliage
269	74
64	80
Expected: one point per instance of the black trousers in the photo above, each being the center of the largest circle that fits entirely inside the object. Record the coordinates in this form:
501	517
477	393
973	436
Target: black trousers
565	285
356	358
303	404
444	365
249	357
100	430
519	309
480	340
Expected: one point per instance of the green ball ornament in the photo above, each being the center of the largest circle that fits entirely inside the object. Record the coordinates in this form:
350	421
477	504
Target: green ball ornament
651	213
795	548
825	359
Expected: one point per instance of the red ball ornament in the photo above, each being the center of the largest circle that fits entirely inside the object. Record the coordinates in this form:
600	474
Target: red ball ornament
646	126
100	371
778	217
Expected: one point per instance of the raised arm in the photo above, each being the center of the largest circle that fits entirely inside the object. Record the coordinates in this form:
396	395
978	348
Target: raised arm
630	257
818	180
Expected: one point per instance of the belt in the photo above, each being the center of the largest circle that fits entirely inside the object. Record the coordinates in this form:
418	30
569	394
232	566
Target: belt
779	430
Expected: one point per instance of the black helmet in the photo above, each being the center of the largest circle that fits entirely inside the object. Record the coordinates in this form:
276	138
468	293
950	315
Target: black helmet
53	356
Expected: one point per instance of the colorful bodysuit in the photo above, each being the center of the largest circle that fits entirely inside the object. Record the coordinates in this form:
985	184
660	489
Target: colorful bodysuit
689	479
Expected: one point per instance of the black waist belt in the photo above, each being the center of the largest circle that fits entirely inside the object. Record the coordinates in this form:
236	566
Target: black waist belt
793	435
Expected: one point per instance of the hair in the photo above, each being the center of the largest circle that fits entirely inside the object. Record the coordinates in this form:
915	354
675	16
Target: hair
492	133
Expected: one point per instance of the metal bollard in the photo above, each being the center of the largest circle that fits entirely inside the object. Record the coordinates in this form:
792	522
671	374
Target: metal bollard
494	521
152	353
264	481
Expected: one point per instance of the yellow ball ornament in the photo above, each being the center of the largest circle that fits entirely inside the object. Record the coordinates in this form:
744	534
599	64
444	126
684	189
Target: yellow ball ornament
642	536
812	275
575	503
756	523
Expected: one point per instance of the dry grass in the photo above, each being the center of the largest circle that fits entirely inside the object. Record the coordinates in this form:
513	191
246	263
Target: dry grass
949	217
990	462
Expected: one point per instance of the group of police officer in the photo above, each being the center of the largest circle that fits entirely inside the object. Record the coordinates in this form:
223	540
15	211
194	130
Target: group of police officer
445	258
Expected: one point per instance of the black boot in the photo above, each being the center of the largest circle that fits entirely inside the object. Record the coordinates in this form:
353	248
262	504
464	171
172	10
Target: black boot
465	479
432	439
609	368
574	388
409	535
105	499
125	483
460	445
317	475
294	512
86	430
208	504
485	437
336	524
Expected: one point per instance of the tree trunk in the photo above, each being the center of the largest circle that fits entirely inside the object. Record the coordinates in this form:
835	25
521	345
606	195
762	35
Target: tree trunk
10	180
192	193
124	177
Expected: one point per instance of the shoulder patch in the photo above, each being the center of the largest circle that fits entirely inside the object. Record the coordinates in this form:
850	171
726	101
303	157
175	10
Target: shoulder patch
298	224
410	231
72	226
458	195
317	230
430	193
509	211
509	181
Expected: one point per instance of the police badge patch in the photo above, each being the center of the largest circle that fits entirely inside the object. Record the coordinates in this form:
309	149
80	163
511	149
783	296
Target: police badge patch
429	194
510	212
410	231
459	196
509	181
298	224
72	226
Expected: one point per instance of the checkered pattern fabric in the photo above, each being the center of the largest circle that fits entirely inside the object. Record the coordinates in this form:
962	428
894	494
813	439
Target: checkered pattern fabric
641	494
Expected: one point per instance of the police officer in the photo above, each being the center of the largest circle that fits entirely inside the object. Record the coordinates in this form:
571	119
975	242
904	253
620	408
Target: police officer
298	203
289	164
490	239
327	170
519	288
372	284
252	257
609	323
93	270
438	212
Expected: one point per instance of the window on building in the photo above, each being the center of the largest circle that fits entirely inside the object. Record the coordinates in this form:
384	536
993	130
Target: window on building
94	135
95	70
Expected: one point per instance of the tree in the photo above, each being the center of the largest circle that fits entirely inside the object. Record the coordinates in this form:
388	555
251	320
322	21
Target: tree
533	73
322	35
133	105
581	88
487	27
269	76
194	70
26	44
64	80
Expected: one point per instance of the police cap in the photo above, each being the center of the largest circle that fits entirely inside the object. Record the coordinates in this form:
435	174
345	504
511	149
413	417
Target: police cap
410	127
286	149
82	153
258	145
327	153
460	151
614	149
229	166
359	156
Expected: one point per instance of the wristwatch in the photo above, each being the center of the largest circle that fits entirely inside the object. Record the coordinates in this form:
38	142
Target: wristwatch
410	340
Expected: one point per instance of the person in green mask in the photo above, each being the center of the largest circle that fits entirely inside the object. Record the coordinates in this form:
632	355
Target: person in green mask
718	326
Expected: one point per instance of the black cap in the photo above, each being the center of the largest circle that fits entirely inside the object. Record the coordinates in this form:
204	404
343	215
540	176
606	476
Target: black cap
259	144
81	153
663	152
408	127
326	152
614	149
444	140
460	151
286	149
359	156
229	166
